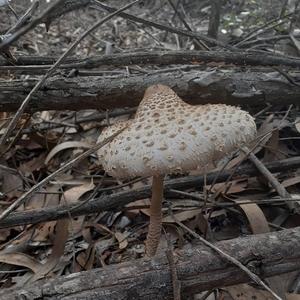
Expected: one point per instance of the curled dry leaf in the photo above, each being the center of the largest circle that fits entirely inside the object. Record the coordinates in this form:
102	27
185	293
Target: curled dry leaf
60	239
21	259
256	217
65	146
73	195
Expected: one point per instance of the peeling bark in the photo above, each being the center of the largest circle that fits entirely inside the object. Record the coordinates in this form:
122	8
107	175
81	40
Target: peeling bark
198	269
197	87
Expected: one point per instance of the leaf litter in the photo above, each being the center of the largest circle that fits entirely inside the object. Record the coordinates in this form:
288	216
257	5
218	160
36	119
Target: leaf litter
49	139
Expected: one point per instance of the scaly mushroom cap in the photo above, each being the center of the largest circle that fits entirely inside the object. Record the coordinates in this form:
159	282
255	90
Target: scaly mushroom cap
168	135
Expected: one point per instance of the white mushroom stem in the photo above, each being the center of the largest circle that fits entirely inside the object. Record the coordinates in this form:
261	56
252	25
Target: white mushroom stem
155	225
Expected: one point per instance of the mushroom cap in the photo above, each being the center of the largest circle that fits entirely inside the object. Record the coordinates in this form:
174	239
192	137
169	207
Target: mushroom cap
168	135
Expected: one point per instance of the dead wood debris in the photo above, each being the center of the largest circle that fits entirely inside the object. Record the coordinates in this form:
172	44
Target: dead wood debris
72	222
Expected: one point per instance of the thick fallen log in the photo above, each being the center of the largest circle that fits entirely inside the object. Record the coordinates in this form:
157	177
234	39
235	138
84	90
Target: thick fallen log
198	269
231	86
118	200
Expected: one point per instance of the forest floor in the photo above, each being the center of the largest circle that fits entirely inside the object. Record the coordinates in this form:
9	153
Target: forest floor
112	237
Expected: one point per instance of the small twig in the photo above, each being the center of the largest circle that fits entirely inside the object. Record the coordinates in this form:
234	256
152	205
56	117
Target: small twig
12	10
120	199
286	76
7	42
48	125
25	18
229	258
206	295
260	30
199	43
282	192
278	201
159	57
67	166
20	111
9	170
179	31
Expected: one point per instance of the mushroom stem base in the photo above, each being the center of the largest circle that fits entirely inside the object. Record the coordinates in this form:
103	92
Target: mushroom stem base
155	225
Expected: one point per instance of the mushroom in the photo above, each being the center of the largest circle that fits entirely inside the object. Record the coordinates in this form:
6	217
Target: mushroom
169	136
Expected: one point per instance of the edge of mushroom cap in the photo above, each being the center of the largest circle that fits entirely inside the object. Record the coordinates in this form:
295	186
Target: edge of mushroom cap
152	93
152	89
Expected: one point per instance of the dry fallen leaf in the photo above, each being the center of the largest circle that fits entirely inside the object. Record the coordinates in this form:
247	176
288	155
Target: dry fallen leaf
11	184
86	258
73	194
182	216
231	187
43	231
21	259
255	216
122	239
65	146
60	239
34	164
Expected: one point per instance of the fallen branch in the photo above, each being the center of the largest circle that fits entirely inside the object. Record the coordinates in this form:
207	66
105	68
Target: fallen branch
8	130
163	27
23	30
232	86
154	58
229	258
62	169
198	269
117	200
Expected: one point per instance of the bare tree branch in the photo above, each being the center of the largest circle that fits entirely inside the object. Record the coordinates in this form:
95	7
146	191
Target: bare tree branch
117	200
51	71
155	58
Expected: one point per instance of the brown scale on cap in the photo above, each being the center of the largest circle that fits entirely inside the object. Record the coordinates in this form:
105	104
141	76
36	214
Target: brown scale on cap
161	117
168	135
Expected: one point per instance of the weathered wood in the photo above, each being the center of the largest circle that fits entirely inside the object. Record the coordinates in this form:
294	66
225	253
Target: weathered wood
154	58
232	86
198	269
118	200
